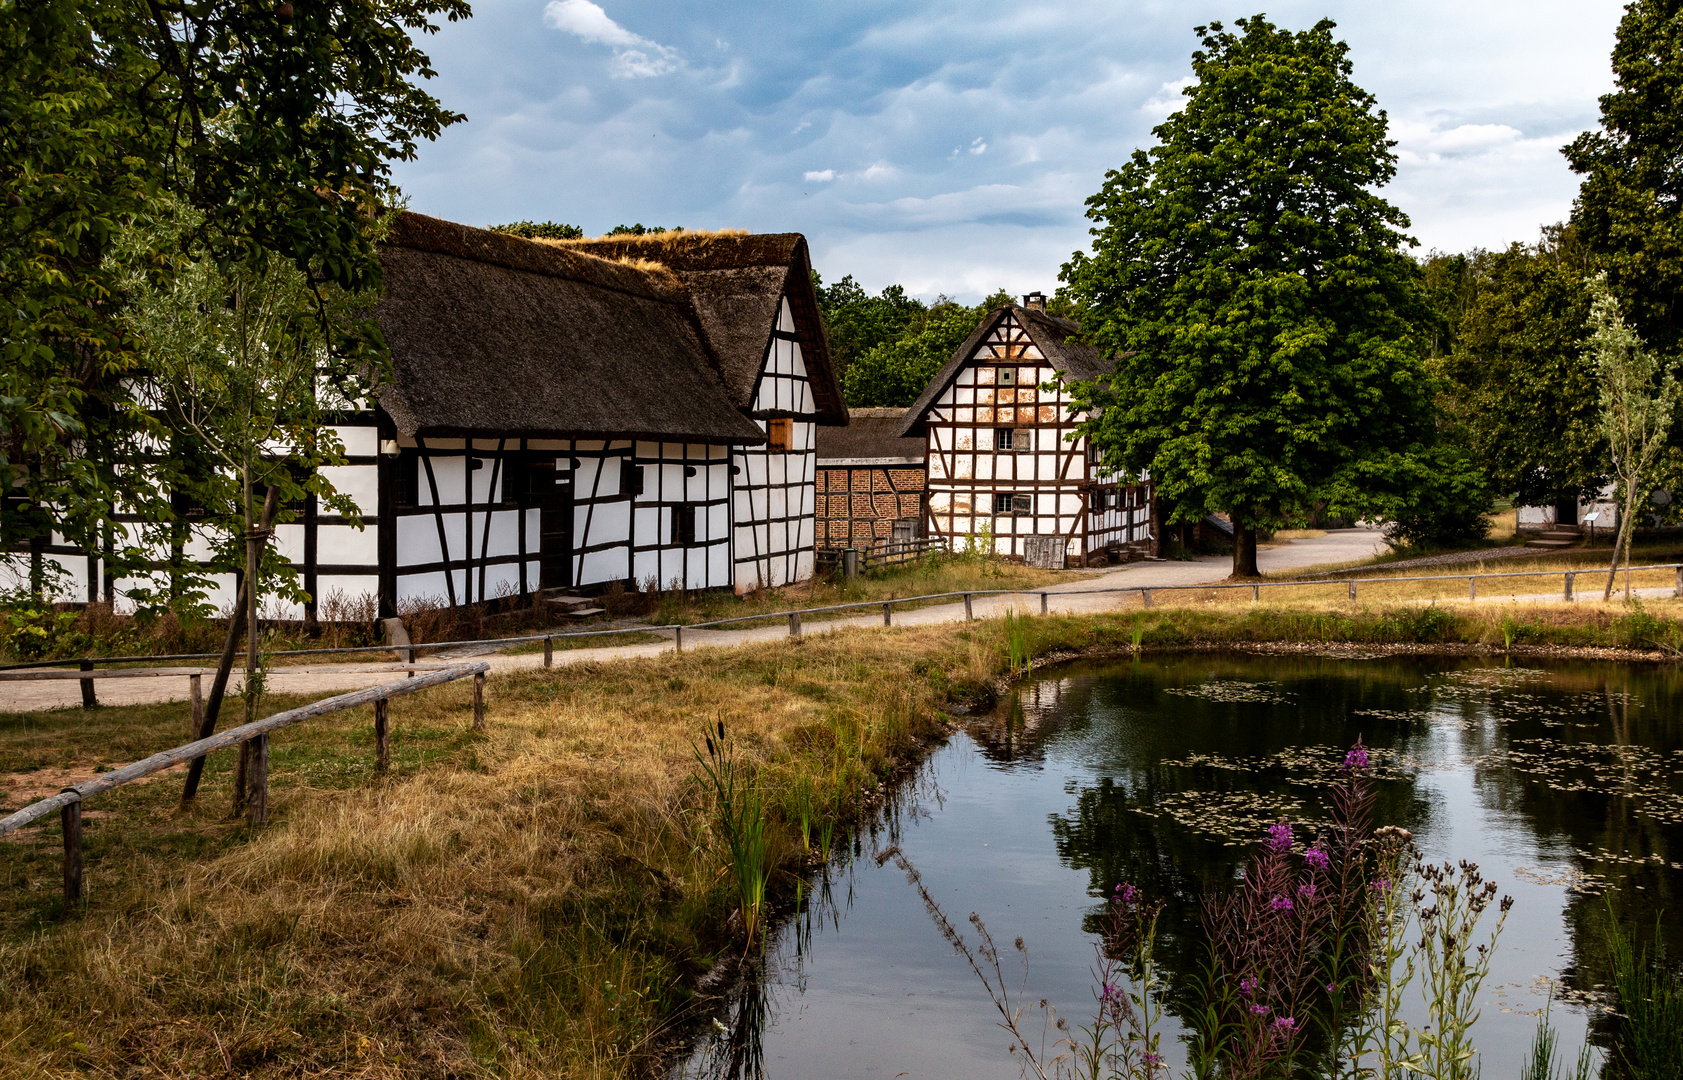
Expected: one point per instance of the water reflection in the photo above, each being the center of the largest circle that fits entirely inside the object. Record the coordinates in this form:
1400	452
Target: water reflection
1564	783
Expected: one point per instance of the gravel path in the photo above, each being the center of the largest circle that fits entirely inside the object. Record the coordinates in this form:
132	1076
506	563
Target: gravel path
1455	557
1341	546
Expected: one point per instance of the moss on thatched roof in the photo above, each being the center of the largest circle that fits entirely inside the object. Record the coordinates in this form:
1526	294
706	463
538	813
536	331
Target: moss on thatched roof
494	335
735	280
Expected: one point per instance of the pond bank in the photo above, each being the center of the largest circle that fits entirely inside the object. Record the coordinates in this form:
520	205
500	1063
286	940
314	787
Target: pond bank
546	899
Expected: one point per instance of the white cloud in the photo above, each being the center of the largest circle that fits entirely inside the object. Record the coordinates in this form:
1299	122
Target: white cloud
1168	99
977	146
821	175
879	171
635	57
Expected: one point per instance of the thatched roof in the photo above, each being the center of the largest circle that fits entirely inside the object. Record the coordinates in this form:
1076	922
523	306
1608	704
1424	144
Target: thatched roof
870	437
493	335
1074	361
734	281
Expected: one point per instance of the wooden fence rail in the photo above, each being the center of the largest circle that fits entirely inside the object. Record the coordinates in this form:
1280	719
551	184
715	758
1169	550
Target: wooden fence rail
69	801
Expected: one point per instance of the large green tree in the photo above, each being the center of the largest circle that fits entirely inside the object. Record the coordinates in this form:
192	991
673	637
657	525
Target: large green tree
1629	209
1522	388
1257	293
276	122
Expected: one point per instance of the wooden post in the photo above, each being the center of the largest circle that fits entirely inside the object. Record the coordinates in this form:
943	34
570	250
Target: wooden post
1256	593
1145	597
70	817
1472	588
548	652
240	776
1677	589
382	738
479	701
1352	590
794	624
678	638
257	783
850	562
195	691
88	699
968	614
887	615
1567	593
1043	603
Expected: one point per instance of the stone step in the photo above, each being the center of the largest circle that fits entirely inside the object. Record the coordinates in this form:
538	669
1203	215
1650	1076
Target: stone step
583	613
1552	543
567	603
1561	534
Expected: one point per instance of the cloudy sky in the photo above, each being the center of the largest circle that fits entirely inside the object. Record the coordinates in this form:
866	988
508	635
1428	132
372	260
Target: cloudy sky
948	145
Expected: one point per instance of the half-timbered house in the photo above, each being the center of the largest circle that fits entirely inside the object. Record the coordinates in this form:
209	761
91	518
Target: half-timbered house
1006	465
567	416
870	481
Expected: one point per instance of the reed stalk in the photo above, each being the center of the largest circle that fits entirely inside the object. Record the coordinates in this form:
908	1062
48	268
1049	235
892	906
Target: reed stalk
1650	1000
742	821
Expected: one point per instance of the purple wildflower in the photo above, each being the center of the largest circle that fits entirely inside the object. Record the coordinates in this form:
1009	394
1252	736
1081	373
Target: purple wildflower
1307	891
1382	885
1260	1010
1317	858
1280	903
1126	893
1285	1025
1110	993
1279	836
1356	760
1153	1061
1247	986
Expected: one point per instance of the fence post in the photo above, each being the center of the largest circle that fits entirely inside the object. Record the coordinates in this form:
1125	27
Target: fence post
88	699
548	652
257	786
196	693
1472	588
479	701
1677	589
677	639
968	614
1043	603
1145	597
1570	578
382	737
71	818
887	617
1256	593
794	624
1352	589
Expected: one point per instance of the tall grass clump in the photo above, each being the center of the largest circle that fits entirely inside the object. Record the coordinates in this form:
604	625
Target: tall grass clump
742	821
1020	657
1650	1003
1542	1063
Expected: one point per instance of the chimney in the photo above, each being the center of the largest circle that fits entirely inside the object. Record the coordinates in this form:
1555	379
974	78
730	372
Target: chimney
1035	301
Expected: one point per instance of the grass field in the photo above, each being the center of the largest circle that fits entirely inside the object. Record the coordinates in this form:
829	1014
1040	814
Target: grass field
538	901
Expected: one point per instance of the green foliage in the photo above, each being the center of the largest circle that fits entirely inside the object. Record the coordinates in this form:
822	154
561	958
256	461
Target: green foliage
278	129
639	229
742	820
1444	498
896	372
1255	289
541	230
1522	390
858	322
1650	998
1629	209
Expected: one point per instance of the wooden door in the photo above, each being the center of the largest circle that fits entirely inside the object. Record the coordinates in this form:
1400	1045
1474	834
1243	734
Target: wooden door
552	491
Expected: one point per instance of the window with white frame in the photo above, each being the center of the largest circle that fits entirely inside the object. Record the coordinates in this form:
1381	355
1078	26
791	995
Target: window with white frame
1007	503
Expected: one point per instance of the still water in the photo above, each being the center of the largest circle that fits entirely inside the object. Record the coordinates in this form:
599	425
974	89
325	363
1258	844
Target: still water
1564	783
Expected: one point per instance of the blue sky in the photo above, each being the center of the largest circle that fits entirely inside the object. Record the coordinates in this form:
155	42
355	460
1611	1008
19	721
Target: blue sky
950	146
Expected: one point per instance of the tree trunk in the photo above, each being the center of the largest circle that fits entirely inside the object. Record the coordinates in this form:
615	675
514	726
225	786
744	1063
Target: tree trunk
225	666
1621	538
1244	550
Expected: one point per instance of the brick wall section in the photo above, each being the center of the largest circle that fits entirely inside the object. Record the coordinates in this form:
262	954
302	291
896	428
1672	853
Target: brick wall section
859	504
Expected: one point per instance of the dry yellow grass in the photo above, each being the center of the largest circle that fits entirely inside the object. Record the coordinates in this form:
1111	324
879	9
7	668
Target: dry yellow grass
532	903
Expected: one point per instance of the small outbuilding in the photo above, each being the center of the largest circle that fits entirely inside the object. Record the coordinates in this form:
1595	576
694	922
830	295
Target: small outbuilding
871	481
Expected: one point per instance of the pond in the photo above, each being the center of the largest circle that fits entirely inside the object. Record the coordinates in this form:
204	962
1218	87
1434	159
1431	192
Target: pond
1564	783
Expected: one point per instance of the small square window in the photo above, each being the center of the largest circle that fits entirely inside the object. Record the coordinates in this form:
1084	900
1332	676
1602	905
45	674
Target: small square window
1004	503
683	525
1004	438
1006	376
780	434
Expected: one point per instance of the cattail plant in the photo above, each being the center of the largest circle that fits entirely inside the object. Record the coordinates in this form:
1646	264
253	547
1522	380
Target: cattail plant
1019	655
742	821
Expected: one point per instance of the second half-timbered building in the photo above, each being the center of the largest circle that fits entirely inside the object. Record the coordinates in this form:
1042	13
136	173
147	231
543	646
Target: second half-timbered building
1006	465
871	481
